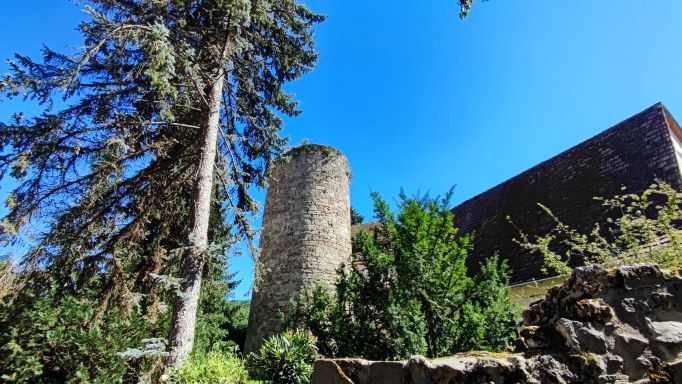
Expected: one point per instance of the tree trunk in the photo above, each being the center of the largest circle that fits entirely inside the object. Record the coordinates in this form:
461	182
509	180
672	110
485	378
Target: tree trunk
183	323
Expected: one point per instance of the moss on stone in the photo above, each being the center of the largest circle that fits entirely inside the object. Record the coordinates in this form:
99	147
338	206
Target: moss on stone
586	357
324	149
341	372
529	330
659	374
593	309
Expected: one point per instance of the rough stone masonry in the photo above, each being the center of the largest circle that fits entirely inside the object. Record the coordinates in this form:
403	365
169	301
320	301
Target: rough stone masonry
306	233
622	325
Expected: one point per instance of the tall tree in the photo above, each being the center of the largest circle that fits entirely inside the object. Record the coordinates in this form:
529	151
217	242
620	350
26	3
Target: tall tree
355	217
44	342
169	104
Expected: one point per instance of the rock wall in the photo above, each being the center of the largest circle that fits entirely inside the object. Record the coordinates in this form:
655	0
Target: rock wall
600	326
306	233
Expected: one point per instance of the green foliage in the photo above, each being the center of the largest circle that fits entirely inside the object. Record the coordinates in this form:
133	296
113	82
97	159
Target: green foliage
429	263
316	311
356	217
238	315
372	319
640	229
488	317
214	367
106	168
407	291
47	343
286	358
49	337
465	7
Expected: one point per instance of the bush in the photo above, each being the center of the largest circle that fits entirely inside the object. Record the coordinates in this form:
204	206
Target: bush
238	313
407	291
214	367
640	229
41	342
286	358
51	336
488	318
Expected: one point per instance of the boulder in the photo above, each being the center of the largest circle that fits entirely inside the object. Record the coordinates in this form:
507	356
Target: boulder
581	336
328	372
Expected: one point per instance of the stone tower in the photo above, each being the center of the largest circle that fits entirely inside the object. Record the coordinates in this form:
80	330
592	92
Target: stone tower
306	233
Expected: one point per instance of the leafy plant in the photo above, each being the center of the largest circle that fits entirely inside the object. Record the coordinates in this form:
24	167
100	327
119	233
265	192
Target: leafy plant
286	358
214	367
639	229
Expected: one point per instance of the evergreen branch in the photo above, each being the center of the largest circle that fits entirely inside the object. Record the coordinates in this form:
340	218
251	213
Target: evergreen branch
94	50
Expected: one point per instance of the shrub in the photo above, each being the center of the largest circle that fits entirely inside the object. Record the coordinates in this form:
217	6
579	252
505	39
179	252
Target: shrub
355	217
51	336
213	367
407	291
41	342
640	229
286	358
488	318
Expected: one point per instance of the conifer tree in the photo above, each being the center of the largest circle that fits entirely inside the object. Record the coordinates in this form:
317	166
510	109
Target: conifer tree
169	105
406	291
355	217
465	7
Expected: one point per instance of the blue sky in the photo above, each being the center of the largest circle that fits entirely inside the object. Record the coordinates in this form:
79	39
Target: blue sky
418	99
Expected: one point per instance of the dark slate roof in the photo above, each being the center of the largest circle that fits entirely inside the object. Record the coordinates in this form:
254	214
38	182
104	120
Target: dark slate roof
631	154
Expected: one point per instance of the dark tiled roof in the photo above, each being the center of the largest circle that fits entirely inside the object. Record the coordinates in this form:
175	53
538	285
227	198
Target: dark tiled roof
631	154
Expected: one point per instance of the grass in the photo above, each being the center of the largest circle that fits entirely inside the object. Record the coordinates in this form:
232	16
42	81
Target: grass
524	294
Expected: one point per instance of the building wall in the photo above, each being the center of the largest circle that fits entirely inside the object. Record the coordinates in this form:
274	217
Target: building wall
632	154
306	233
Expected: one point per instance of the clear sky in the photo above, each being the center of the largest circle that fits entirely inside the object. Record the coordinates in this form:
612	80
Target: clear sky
418	99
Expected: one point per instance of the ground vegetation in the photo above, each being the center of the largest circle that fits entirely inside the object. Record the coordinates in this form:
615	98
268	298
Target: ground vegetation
407	291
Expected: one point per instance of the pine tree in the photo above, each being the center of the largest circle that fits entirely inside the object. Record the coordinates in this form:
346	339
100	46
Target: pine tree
169	103
356	217
465	7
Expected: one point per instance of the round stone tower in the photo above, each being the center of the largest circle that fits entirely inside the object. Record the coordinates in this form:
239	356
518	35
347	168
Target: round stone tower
306	233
